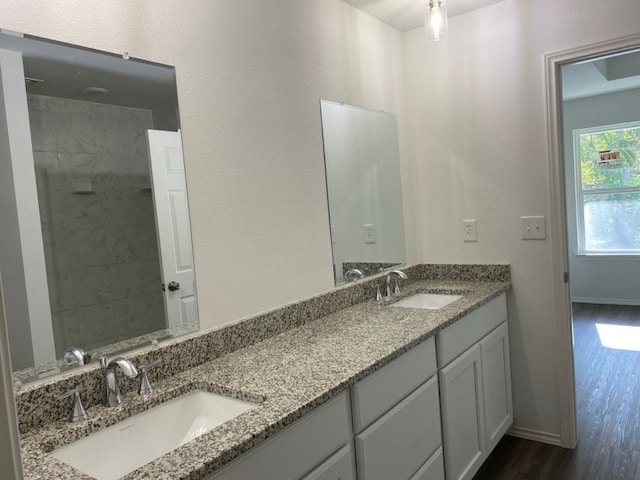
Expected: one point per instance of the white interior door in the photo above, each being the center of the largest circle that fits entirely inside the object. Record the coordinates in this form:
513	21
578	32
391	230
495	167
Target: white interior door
174	230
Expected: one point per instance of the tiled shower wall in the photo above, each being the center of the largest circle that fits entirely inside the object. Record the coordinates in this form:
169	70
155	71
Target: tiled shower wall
166	118
97	220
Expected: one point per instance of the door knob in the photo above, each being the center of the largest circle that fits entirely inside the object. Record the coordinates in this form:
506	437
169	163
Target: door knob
173	286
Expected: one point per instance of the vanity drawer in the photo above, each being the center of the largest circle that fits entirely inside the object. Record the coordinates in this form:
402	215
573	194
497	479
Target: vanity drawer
297	449
338	467
461	335
374	395
402	440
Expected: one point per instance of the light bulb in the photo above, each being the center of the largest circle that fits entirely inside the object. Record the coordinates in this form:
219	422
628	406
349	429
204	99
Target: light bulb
436	19
436	22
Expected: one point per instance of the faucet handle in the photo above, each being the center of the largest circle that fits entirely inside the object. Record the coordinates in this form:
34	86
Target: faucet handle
378	294
79	414
145	385
104	362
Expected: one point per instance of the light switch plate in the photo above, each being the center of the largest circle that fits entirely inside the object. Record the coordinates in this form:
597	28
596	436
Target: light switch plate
534	228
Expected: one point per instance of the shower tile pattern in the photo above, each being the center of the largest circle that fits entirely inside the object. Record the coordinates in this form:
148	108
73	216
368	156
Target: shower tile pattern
166	118
100	246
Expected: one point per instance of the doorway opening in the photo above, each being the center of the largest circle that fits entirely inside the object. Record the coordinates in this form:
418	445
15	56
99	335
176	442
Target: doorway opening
600	114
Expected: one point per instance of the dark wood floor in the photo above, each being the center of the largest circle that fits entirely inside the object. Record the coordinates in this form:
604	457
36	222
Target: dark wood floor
608	391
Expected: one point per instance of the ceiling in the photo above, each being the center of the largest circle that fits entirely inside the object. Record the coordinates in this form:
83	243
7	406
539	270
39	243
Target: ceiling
609	74
67	71
595	77
405	15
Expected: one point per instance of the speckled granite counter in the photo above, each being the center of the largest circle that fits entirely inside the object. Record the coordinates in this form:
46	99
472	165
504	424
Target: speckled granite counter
289	374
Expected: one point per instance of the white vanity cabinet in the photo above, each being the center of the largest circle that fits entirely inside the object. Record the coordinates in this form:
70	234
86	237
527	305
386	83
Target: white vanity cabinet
435	412
337	467
396	413
316	447
475	387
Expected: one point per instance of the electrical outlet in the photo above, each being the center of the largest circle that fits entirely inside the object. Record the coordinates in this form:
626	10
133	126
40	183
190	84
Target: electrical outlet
469	230
369	233
534	228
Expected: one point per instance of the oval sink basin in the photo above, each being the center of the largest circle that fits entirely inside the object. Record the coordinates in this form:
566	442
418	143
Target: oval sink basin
122	448
427	301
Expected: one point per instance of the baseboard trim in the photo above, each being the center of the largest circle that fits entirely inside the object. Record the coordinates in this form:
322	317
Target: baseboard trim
535	435
606	301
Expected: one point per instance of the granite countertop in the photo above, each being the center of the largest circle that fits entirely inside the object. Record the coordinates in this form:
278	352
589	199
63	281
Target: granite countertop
289	375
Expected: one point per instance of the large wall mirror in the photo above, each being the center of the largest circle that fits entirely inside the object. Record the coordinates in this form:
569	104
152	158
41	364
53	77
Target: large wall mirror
364	191
111	243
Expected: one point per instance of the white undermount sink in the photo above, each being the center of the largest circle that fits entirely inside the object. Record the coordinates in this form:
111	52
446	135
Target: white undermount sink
122	448
427	301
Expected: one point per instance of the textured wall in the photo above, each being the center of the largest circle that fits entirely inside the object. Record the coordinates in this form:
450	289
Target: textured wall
101	250
478	139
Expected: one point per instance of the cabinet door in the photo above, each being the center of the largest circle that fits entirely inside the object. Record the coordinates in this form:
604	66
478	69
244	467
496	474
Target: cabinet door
496	379
462	415
400	442
433	469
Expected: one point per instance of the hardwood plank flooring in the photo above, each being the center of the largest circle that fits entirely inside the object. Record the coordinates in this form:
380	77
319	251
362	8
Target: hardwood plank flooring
608	396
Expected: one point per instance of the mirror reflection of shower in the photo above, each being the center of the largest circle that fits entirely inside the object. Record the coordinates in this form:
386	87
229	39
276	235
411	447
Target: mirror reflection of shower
97	219
97	262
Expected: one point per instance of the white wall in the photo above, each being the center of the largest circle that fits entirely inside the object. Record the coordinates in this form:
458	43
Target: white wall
250	75
598	279
477	114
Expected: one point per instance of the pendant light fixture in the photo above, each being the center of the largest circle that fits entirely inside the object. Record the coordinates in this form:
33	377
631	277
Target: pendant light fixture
435	19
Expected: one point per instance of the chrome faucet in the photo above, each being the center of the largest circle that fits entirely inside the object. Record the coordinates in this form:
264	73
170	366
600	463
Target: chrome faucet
76	355
112	392
396	288
353	274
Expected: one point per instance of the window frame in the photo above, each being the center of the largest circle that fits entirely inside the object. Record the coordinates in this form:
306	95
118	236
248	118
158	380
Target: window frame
580	193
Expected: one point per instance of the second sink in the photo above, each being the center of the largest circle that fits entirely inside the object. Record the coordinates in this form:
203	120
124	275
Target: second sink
427	301
122	448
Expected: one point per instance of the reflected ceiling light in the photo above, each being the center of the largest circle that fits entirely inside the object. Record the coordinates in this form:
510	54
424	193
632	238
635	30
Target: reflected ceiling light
435	19
95	91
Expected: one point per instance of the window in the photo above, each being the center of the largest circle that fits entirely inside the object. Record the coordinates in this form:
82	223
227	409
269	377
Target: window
608	189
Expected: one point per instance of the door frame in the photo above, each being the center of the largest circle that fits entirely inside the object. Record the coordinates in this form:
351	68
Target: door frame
10	458
565	380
